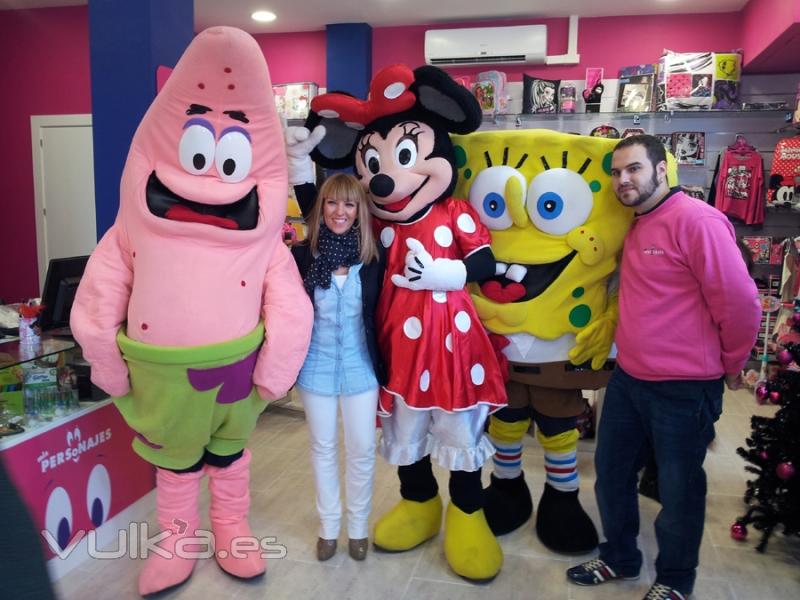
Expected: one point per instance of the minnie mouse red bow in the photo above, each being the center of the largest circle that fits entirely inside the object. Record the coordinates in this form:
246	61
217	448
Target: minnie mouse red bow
388	95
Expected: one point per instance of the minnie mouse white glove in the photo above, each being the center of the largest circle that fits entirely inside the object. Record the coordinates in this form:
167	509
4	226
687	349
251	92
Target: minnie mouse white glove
423	272
299	144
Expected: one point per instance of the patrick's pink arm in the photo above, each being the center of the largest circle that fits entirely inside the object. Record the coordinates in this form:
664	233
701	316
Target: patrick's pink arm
100	309
288	317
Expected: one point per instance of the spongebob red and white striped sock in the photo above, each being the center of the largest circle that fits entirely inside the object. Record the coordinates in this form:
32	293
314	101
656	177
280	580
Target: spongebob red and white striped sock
507	440
561	459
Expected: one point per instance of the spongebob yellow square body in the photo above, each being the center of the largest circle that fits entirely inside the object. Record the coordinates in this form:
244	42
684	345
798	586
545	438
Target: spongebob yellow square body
557	232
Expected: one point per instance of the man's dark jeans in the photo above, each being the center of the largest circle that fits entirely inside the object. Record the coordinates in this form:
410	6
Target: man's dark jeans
677	419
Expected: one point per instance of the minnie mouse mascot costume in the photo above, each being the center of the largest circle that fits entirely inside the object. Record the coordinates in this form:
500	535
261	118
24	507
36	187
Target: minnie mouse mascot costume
444	378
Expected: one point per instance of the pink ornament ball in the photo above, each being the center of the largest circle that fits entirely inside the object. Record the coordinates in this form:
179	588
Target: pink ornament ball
739	532
775	397
785	471
784	357
763	456
796	319
762	393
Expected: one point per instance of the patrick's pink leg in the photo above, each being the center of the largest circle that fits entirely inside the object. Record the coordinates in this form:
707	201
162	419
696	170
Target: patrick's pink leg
176	503
230	505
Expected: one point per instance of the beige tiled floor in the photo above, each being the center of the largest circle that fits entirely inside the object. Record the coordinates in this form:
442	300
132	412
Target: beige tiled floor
283	507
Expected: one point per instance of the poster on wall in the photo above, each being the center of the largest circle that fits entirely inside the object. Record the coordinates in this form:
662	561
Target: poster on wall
484	92
666	140
689	147
635	93
698	81
539	95
293	100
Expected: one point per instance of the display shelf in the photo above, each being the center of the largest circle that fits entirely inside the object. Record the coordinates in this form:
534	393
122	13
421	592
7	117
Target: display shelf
13	353
31	432
780	116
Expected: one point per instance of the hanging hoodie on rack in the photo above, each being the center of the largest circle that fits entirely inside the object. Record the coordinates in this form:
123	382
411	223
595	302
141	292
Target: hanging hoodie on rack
784	183
739	189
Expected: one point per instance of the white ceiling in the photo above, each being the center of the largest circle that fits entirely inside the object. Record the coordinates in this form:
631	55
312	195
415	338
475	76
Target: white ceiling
313	15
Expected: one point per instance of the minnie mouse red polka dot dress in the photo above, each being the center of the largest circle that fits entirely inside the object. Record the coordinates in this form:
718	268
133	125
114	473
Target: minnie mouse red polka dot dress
439	354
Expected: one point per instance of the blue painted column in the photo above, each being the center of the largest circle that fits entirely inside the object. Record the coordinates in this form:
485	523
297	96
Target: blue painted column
127	42
349	58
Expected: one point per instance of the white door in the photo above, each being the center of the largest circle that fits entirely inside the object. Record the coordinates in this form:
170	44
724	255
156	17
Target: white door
63	172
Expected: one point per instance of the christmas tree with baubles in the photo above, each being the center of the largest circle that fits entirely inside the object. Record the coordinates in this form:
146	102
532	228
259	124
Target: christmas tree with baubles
773	451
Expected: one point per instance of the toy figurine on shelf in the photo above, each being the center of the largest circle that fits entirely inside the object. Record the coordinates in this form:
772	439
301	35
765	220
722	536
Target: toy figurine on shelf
592	98
593	91
566	99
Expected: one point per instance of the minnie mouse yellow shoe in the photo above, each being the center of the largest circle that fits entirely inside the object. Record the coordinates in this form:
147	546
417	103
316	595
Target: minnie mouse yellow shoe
408	524
470	547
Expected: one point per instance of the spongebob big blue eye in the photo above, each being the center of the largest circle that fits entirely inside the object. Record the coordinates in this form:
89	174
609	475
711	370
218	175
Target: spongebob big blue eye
558	201
494	205
492	191
550	205
58	516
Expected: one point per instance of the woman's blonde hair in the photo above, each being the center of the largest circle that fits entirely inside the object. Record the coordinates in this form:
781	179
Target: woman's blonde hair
344	186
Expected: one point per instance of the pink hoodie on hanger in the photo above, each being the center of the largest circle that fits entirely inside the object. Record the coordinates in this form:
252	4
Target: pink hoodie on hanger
195	256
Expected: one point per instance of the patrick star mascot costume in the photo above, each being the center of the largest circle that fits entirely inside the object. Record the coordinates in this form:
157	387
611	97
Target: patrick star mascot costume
191	311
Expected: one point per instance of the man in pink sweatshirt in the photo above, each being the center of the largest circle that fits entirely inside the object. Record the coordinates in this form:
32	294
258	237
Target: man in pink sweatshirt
689	313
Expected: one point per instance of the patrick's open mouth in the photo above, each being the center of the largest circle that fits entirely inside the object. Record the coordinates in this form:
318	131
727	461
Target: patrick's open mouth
520	283
241	215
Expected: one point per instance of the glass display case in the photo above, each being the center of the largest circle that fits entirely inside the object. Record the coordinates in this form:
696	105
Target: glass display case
37	385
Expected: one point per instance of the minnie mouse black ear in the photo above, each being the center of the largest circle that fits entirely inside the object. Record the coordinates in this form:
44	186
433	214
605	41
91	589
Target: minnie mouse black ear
452	104
337	148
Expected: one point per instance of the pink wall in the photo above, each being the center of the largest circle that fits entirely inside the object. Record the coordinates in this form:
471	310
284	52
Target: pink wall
608	42
45	71
295	57
763	21
771	36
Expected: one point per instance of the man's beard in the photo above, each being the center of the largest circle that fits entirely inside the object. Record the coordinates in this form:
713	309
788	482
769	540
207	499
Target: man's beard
647	192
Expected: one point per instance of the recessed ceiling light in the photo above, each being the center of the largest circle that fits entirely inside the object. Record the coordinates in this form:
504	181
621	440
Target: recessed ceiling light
263	16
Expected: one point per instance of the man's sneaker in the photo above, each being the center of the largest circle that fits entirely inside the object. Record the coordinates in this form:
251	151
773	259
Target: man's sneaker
659	591
594	572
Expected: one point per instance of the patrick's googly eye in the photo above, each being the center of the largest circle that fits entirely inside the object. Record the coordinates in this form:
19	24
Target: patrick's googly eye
58	517
558	201
98	495
196	149
234	157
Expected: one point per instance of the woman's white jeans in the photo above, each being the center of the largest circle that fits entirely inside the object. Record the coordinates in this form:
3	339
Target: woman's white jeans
358	417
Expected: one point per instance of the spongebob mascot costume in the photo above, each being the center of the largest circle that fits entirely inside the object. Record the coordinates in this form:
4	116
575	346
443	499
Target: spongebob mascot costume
557	232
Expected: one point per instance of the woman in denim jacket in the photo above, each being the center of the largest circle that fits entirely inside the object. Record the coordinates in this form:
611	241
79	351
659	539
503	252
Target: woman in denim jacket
342	271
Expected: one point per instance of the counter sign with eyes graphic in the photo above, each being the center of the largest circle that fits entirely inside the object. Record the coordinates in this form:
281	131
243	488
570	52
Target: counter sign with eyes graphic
77	476
557	230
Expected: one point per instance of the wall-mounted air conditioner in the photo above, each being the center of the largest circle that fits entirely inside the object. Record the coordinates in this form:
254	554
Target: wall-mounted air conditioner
521	44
